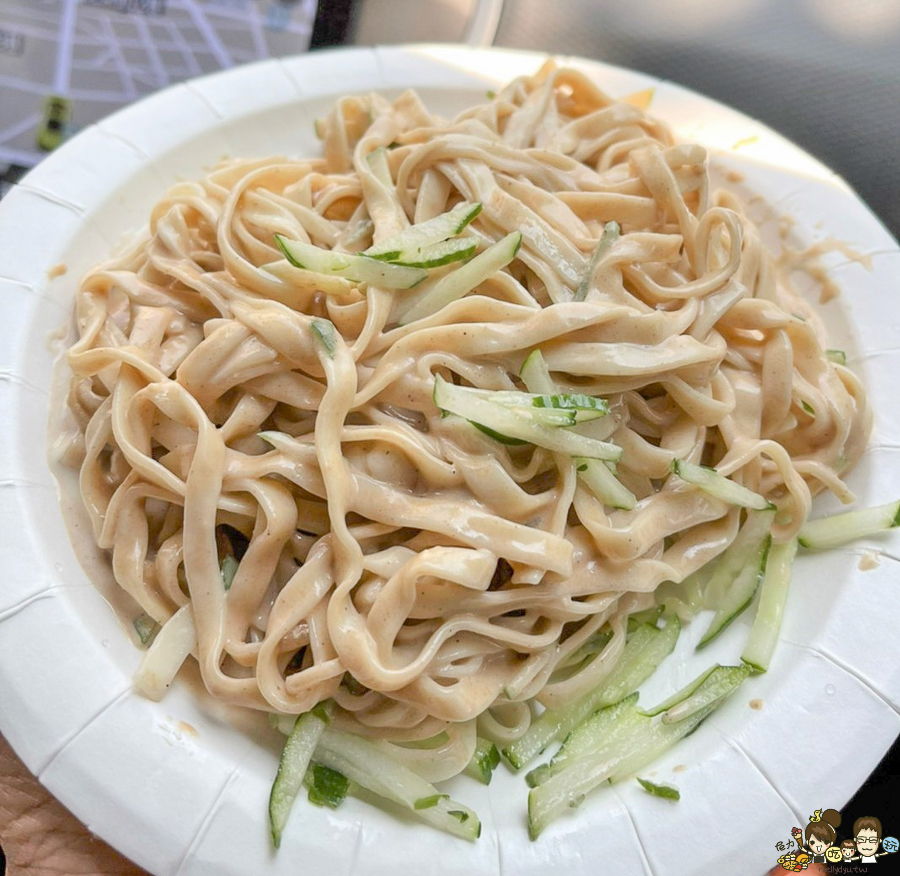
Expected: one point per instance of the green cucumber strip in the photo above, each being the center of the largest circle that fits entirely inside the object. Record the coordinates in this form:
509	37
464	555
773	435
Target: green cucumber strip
557	409
428	802
327	787
358	268
742	587
645	742
839	357
721	682
405	245
808	408
667	792
171	646
229	568
574	401
710	481
472	406
365	763
301	279
324	330
443	253
503	439
295	758
604	729
772	598
485	760
736	557
536	375
840	529
642	653
607	239
604	484
322	711
681	695
145	627
439	292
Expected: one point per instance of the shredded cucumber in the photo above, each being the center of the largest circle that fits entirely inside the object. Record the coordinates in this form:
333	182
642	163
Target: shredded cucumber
681	695
295	758
607	239
722	681
485	760
772	598
366	764
145	627
404	246
604	484
643	652
839	529
324	330
557	409
536	375
308	281
441	291
358	268
171	647
606	727
643	743
738	573
440	254
710	481
622	750
478	408
838	357
229	570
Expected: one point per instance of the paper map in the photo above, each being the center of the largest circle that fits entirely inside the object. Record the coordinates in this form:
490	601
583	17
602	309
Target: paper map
66	63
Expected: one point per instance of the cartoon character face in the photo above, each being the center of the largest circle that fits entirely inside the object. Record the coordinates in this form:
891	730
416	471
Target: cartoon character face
847	852
867	841
818	846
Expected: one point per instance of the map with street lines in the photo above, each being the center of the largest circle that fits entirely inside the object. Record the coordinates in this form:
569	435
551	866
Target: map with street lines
67	63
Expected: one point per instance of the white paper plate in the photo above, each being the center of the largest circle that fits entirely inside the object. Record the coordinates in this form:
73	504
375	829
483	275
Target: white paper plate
186	803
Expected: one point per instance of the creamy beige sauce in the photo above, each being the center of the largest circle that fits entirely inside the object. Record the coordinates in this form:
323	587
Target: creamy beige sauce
868	561
808	260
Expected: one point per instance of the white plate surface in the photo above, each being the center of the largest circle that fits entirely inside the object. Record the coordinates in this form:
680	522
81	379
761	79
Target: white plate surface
191	803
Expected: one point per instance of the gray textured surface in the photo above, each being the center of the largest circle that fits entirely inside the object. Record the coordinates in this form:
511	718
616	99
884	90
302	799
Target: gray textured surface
825	73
